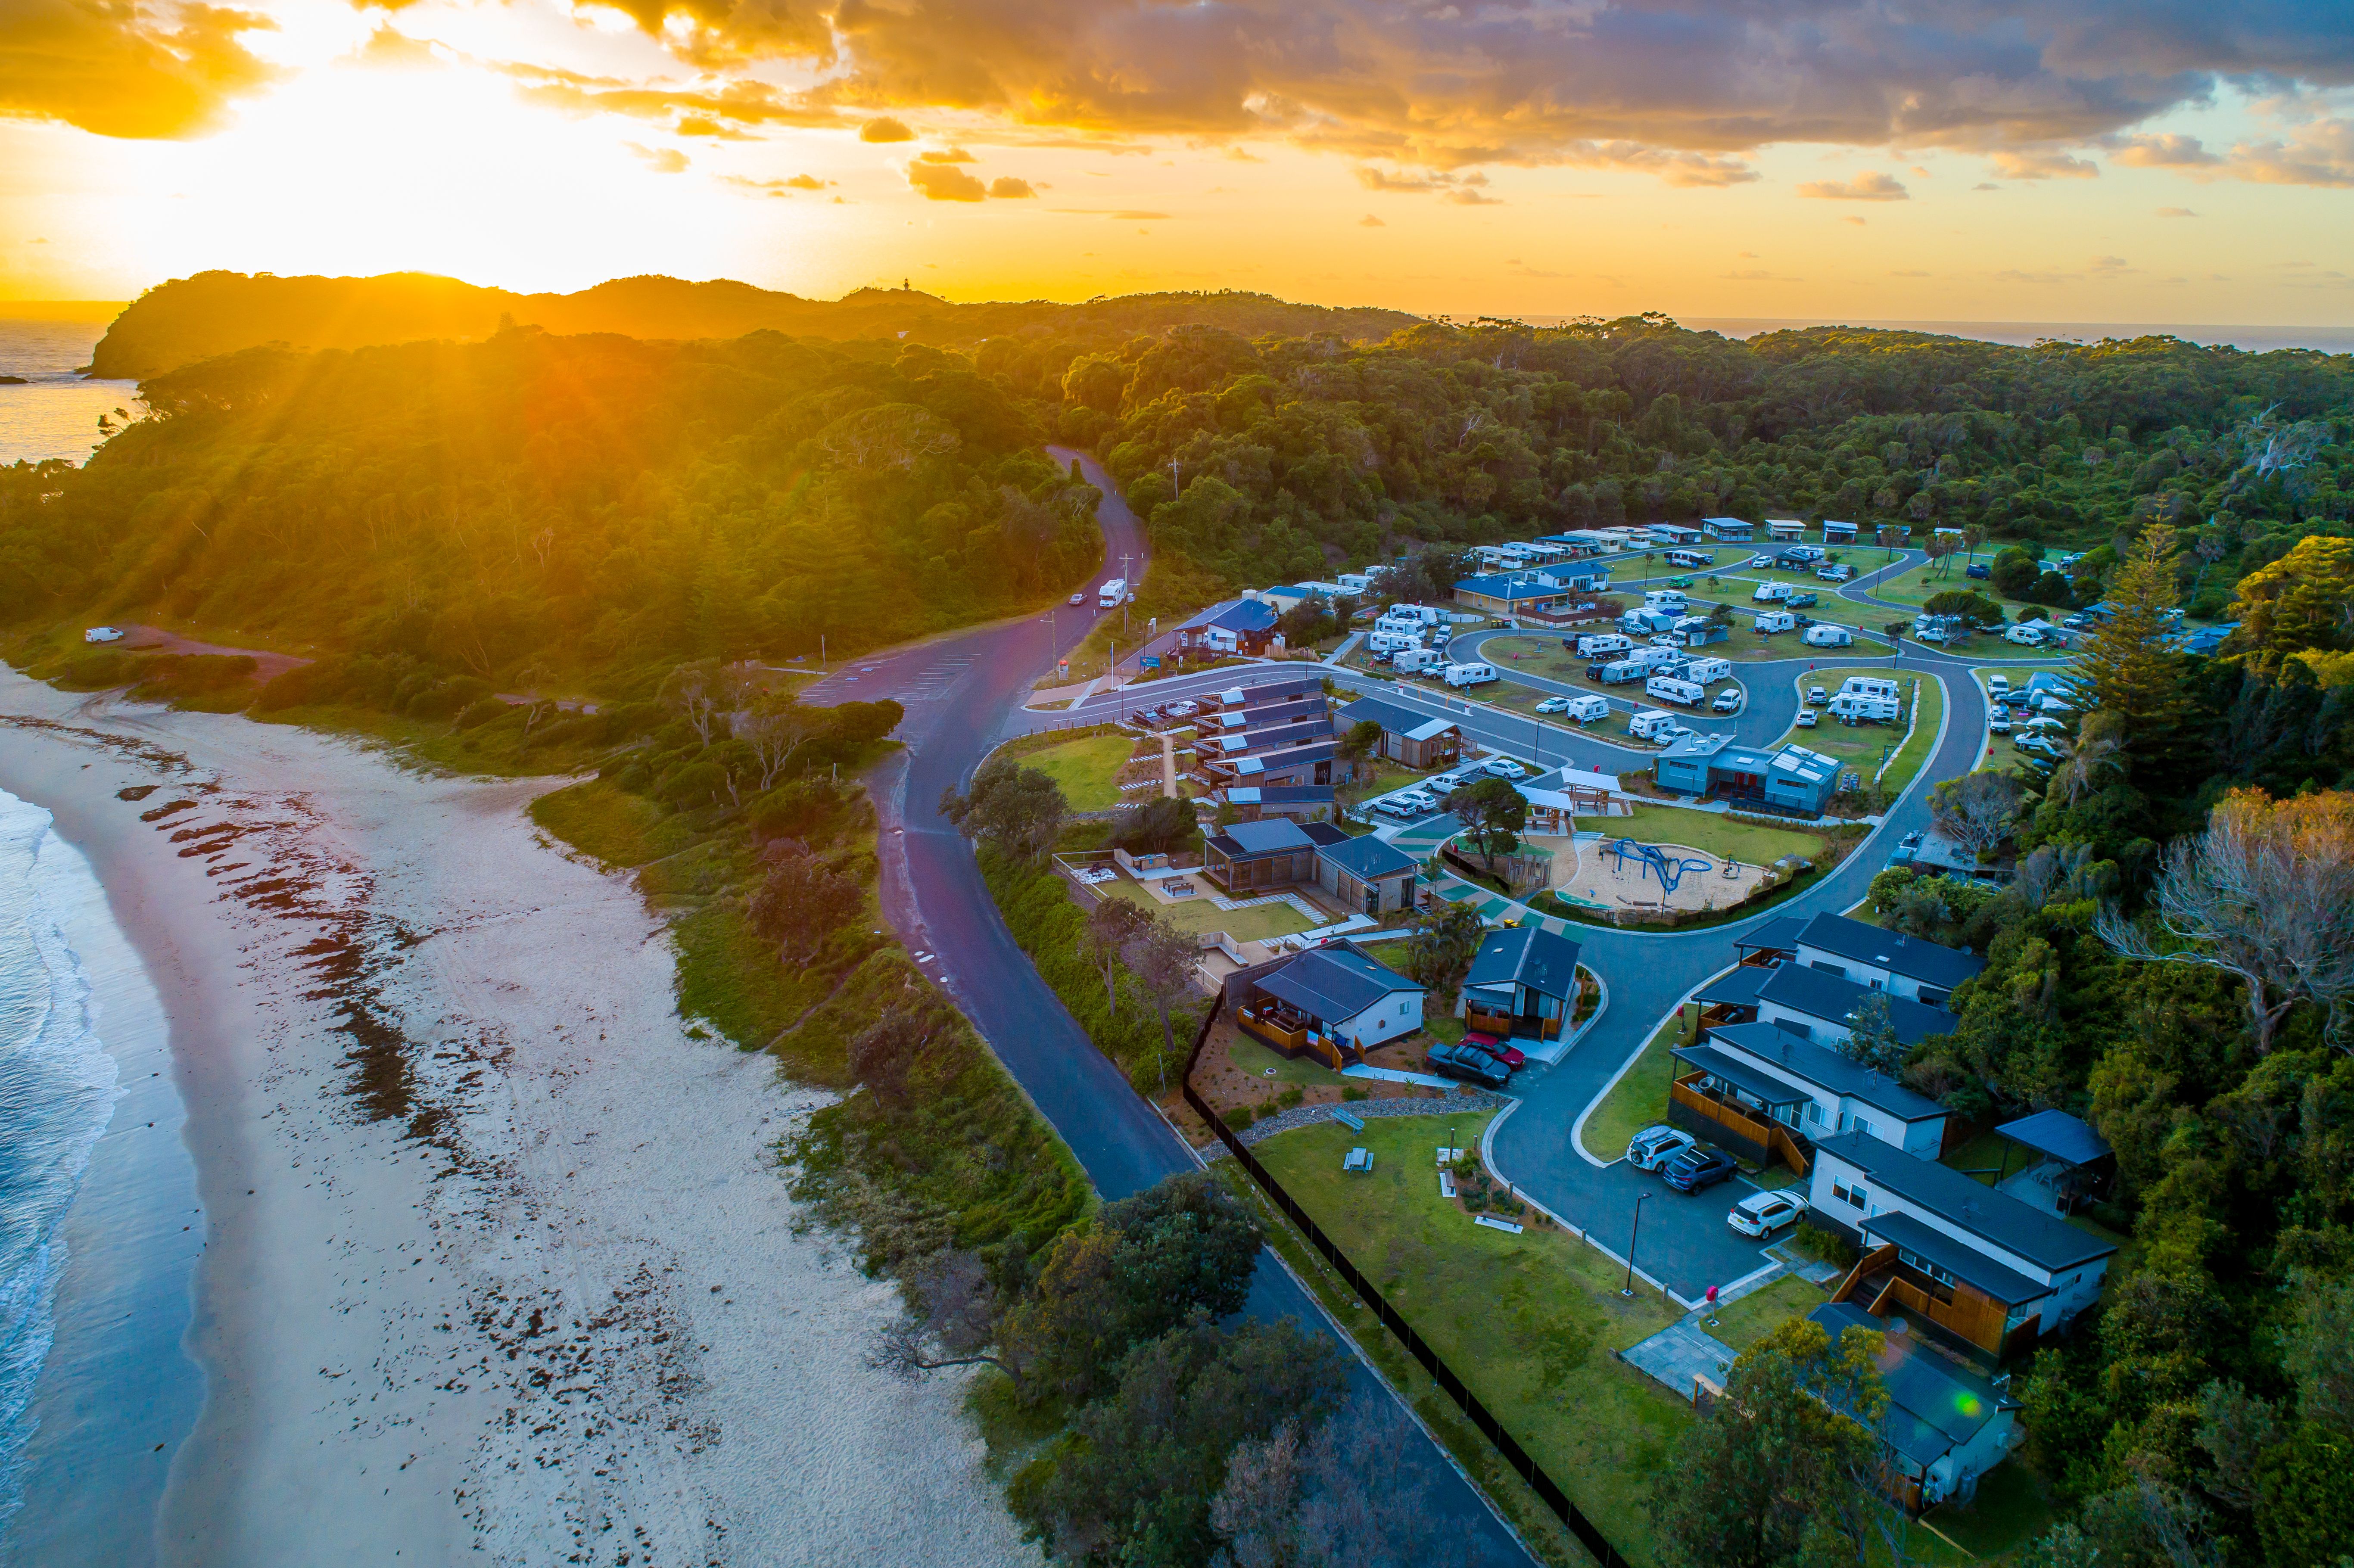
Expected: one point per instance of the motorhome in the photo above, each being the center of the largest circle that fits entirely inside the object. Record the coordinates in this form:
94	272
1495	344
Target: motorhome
1770	593
1823	634
1870	686
1617	672
1603	642
1853	708
1421	614
1691	560
1670	599
1669	689
1774	621
1587	709
2025	636
1112	594
1414	660
1475	674
1392	641
1657	657
1707	670
1652	724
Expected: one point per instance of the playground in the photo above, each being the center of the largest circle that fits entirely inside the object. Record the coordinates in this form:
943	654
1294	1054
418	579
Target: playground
1626	874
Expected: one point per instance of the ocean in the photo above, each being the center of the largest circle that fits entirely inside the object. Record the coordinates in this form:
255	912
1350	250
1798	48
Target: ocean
55	414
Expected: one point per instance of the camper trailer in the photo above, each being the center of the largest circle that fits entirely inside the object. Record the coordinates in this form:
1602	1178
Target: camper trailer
1392	641
1823	634
1656	658
1852	707
1770	593
1414	660
1774	621
1670	599
1671	689
1603	642
1870	686
1617	672
1587	709
1652	724
1472	674
1707	670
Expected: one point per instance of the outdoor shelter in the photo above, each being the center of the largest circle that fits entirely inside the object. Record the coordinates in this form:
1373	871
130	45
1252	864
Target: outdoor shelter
2075	1166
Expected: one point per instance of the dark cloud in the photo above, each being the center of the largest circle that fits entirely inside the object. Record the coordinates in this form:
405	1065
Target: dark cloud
2169	152
168	72
1872	185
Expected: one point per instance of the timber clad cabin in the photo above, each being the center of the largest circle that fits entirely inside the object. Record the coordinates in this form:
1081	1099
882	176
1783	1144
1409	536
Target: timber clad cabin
1728	530
1244	626
1277	734
1300	802
1334	1003
1409	738
1361	874
1944	1427
1824	1008
1765	1093
1522	985
1973	1268
1885	961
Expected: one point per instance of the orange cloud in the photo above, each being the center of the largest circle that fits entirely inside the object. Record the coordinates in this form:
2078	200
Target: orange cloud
1871	186
945	182
111	70
882	128
1005	188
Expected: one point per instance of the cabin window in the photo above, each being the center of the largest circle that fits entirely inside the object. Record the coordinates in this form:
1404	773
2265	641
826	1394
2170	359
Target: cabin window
1853	1196
1838	970
1814	1113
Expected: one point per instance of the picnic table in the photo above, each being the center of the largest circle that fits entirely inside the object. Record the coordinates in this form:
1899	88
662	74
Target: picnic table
1358	1160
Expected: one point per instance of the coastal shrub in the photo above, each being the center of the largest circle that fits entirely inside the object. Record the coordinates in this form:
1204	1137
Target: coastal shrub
197	679
447	698
480	713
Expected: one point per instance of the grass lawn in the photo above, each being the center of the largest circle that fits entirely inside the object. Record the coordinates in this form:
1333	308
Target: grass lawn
1859	747
1251	1057
1086	768
1640	1098
1253	925
1529	1321
1916	752
2008	1511
1710	834
1761	1312
610	823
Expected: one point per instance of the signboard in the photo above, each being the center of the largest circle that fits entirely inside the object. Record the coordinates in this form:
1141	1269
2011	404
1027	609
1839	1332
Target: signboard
1149	662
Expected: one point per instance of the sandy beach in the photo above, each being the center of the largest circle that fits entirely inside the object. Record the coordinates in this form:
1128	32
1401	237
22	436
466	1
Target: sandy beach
496	1263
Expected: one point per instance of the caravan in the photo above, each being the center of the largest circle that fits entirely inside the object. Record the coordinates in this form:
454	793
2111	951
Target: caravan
1471	674
1653	723
1657	657
1706	671
1668	599
1870	686
1858	707
1414	660
1774	620
1669	689
1770	593
1587	709
1823	634
1392	641
1617	672
1602	642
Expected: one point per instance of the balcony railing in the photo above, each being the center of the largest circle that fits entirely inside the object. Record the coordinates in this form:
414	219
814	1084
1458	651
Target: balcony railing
1762	1131
1504	1025
1882	1283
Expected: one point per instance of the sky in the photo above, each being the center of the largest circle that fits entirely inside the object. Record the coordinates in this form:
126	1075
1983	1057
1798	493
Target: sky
2155	160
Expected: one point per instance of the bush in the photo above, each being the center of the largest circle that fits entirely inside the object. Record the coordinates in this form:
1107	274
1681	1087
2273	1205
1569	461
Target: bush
481	713
1827	1246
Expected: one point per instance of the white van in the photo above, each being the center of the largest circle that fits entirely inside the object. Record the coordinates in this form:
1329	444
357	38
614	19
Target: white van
1770	593
1112	594
1472	674
1692	560
1823	634
1587	709
2025	636
1652	724
1603	642
1706	671
1997	684
1414	660
1774	621
1669	689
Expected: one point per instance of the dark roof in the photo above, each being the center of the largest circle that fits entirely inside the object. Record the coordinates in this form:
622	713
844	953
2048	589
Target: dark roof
2045	1240
1741	1075
1780	933
1322	833
1368	859
1295	795
1935	1404
1389	715
1529	956
1282	735
1822	1065
1334	982
1281	691
1942	967
1291	710
2006	1285
2059	1134
1736	987
1281	759
1242	615
1821	994
1507	586
1274	837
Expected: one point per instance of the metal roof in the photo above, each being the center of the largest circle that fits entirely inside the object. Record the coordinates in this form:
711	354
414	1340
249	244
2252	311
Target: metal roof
1940	966
1819	994
1269	837
1736	987
2006	1285
1242	615
1827	1069
2045	1240
1741	1075
1394	718
1509	586
1334	983
1368	859
1935	1404
1529	956
1780	933
2059	1134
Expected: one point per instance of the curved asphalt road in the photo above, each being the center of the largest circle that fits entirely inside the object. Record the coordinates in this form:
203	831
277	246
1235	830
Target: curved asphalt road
960	692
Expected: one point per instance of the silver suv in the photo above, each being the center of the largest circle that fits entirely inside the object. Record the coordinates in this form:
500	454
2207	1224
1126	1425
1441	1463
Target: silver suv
1655	1145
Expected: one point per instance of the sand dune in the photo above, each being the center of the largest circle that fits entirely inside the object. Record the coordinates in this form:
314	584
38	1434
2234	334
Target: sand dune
498	1265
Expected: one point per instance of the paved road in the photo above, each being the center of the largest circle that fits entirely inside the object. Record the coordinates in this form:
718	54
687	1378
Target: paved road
961	693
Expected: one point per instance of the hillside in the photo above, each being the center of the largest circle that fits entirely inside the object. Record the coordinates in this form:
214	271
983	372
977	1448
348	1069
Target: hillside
192	319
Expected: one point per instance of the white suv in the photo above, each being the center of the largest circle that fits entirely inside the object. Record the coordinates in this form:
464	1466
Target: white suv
1763	1213
1652	1148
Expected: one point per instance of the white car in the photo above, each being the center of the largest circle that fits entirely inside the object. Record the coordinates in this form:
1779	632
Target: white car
1998	723
1181	710
1998	684
1763	1213
1808	718
1655	1145
1761	561
1505	767
1080	598
1420	800
1817	696
1443	783
1727	700
1554	706
102	634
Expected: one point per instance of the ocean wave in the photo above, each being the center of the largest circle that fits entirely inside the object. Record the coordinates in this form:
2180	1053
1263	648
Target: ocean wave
56	1094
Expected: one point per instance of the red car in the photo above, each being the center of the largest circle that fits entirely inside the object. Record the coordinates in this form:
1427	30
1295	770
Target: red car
1510	1055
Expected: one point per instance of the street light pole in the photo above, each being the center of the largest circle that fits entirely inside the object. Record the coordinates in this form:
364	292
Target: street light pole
1630	1291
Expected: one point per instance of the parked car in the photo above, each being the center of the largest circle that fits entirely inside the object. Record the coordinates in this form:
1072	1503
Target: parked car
1181	710
1469	1063
1149	719
1679	582
1505	767
1697	1168
1763	1213
1727	700
1834	574
2076	622
1998	684
1798	601
1443	784
1980	571
1808	718
1420	800
1998	723
2038	744
1761	561
1554	706
1817	698
1504	1051
102	634
1655	1145
1080	598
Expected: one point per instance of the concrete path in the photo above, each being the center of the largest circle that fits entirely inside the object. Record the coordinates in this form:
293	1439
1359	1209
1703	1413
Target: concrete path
1681	1356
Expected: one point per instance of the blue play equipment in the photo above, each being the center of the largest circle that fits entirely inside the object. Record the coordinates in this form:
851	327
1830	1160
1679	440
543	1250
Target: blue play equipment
1671	873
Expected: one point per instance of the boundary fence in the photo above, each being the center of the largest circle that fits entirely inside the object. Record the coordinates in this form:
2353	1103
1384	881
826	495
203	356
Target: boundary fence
1518	1458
